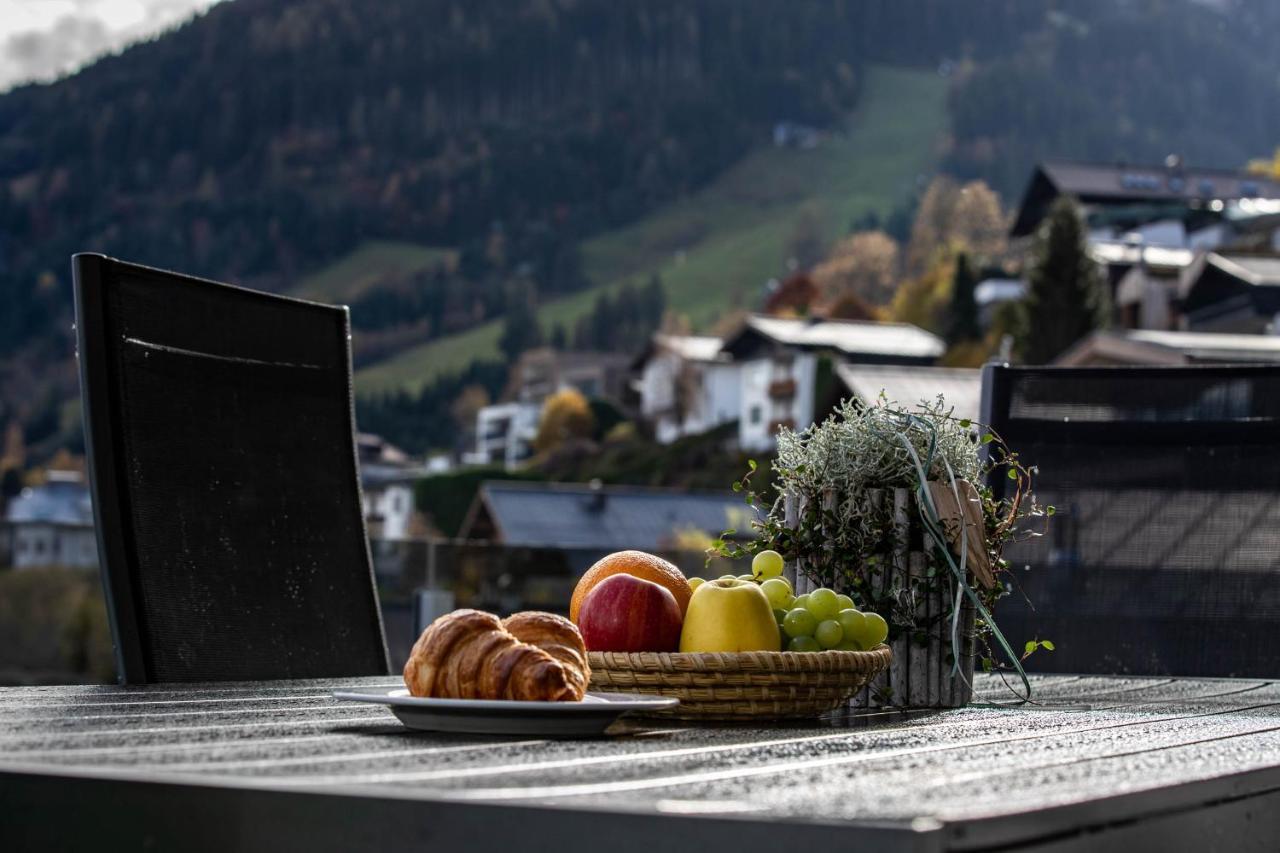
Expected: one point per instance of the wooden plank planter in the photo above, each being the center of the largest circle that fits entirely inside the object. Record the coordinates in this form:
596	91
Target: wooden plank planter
921	674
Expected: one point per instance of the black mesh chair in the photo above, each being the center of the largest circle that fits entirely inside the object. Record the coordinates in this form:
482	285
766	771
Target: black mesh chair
1164	555
219	428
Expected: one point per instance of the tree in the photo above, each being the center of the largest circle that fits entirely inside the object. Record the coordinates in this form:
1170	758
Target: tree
559	337
932	228
863	264
1066	296
922	300
520	329
979	221
962	314
566	415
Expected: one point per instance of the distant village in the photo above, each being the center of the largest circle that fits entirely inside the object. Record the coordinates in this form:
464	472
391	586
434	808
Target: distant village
1191	258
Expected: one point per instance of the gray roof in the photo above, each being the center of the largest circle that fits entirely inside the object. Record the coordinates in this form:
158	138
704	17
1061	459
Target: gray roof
1155	181
908	385
569	515
56	502
1262	270
851	337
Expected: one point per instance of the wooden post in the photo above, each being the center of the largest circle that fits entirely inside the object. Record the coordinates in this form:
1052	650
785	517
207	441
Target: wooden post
917	654
898	580
937	616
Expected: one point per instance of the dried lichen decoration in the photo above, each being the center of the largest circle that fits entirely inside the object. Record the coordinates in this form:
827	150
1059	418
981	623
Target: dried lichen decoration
891	507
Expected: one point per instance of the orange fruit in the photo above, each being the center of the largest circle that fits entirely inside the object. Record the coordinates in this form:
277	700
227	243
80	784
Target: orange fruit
638	563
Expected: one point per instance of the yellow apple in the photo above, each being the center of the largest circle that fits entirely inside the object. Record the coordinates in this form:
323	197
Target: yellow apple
729	615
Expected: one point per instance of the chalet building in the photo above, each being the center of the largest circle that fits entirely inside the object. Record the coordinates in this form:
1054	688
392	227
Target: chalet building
786	366
52	525
687	385
1165	205
771	373
505	430
596	517
1170	348
1231	292
387	475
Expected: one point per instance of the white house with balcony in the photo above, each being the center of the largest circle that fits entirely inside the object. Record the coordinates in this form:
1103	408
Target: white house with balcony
687	386
787	364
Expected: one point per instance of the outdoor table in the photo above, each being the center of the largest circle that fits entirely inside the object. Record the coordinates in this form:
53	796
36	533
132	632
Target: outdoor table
1098	764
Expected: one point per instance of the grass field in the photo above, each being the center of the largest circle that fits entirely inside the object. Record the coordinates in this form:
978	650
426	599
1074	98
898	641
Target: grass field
346	279
717	248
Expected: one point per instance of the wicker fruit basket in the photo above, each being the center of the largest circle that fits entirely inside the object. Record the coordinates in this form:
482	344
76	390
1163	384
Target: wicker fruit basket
742	686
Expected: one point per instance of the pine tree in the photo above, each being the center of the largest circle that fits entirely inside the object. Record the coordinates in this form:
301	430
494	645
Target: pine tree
559	337
1066	295
962	315
520	329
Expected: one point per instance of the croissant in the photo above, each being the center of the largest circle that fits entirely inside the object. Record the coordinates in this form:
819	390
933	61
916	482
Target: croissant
556	636
468	654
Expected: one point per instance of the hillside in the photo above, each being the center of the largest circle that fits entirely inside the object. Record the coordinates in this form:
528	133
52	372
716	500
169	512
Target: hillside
436	162
717	248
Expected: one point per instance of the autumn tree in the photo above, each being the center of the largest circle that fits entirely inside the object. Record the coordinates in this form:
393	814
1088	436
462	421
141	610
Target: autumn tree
864	264
952	217
566	415
979	221
922	300
1066	295
932	228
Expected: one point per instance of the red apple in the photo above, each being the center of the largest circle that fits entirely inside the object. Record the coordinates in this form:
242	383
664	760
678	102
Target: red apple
624	613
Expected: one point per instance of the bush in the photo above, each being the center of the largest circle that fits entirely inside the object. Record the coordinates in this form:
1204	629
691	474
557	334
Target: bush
53	627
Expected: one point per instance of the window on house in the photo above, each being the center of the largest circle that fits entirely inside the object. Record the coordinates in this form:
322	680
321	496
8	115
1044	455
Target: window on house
756	414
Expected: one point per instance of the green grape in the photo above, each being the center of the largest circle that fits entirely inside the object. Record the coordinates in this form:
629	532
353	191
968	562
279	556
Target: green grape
694	583
799	623
851	621
823	603
779	614
867	629
778	593
803	644
800	601
829	634
848	646
751	578
727	578
879	630
767	564
846	603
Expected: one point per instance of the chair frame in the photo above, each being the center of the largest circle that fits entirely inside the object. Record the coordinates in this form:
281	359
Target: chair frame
92	275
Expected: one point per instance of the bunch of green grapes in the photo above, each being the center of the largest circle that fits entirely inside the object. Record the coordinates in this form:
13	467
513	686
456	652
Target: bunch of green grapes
822	619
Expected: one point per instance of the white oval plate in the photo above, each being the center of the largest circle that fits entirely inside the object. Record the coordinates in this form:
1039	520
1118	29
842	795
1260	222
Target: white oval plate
595	713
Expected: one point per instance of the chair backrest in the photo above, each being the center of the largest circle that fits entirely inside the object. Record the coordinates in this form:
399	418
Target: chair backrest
1163	557
220	438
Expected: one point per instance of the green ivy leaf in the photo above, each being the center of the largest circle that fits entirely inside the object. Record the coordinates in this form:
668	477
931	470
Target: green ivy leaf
1013	473
751	463
988	438
1049	510
966	423
1029	647
1048	644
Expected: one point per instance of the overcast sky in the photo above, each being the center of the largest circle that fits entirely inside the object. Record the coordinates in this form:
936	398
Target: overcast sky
41	39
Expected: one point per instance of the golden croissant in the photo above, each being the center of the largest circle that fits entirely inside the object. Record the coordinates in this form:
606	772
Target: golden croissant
470	654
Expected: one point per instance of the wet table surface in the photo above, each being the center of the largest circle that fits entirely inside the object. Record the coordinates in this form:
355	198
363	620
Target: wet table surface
1097	763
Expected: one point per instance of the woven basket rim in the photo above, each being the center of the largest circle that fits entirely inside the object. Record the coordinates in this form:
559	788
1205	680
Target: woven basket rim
824	661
